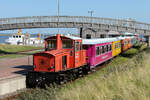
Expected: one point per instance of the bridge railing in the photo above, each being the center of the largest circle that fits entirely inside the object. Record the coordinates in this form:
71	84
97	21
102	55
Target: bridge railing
76	19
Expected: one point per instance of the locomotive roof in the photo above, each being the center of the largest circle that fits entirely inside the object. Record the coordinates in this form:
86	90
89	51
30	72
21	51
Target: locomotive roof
72	37
67	36
99	40
54	52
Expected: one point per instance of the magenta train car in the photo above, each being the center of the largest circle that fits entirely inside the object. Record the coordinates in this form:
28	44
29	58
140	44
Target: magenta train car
98	50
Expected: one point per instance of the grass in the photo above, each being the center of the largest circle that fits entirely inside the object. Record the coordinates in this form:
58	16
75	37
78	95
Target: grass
11	56
10	51
125	78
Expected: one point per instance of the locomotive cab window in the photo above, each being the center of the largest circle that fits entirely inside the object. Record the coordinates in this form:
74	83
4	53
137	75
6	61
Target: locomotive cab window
67	44
77	48
51	44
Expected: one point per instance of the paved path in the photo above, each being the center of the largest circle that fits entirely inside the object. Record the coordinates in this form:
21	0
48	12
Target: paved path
15	66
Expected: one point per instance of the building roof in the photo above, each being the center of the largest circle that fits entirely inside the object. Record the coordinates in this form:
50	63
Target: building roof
99	40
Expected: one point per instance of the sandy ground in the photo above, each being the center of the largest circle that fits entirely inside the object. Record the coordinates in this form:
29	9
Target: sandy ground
15	66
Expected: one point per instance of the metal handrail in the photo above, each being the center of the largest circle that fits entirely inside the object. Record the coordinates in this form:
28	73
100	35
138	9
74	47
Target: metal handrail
76	19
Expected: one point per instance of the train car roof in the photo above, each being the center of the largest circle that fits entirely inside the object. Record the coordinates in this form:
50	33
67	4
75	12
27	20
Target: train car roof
72	37
121	38
98	41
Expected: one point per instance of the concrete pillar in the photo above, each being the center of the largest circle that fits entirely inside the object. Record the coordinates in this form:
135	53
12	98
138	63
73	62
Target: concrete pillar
149	41
80	32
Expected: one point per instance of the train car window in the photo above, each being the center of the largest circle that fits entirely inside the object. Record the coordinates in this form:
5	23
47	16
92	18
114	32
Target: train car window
85	47
103	49
97	51
110	47
77	46
100	50
51	44
107	48
115	46
125	42
67	44
132	41
71	53
119	45
80	46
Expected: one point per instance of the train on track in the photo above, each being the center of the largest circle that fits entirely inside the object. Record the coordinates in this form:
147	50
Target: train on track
67	57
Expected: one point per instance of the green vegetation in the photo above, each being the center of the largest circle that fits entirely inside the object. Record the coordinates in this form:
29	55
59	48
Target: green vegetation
125	78
12	51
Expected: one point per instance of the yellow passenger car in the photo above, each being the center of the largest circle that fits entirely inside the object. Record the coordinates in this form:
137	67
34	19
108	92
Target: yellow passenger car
116	48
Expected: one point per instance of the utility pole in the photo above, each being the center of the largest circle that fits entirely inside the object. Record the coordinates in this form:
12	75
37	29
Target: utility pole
91	13
58	14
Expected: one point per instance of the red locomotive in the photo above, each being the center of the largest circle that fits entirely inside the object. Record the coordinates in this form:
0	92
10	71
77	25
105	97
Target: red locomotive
63	56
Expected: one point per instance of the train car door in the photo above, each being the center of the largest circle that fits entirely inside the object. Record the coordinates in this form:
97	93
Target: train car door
64	62
77	54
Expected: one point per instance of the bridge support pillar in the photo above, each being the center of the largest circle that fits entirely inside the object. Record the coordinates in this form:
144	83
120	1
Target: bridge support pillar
80	31
149	41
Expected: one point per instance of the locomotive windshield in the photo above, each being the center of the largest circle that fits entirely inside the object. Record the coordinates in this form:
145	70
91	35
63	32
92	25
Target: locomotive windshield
67	44
51	44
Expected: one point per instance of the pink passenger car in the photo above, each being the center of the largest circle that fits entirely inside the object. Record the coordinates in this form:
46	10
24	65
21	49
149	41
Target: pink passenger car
98	50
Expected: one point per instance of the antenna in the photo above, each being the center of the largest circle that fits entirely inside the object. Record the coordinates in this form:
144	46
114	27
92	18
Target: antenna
58	15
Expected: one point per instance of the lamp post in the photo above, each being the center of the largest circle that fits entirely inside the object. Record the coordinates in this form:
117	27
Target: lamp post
91	13
58	14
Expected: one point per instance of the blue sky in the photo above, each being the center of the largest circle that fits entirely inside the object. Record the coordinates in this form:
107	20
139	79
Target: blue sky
122	9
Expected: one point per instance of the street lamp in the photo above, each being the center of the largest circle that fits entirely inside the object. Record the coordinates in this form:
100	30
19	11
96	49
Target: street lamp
91	13
58	14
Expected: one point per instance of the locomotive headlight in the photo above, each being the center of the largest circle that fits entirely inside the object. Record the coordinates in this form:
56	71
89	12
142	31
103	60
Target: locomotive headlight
34	66
52	67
